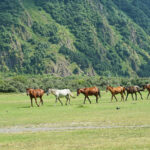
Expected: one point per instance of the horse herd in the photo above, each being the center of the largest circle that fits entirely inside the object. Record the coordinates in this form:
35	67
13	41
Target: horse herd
123	91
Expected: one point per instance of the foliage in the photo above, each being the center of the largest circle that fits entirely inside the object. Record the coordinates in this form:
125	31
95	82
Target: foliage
12	9
77	57
12	83
109	36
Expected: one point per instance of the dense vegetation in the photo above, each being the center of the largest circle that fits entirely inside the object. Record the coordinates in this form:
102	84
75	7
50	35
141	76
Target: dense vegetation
65	37
19	83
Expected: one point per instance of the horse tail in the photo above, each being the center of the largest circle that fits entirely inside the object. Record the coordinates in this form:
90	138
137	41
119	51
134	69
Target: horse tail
124	90
139	89
99	93
72	95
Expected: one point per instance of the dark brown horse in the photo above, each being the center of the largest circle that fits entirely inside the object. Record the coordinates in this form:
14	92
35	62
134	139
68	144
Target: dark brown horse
35	93
147	86
116	90
89	92
133	90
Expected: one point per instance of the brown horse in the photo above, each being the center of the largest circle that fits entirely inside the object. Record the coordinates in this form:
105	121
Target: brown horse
147	86
116	90
35	93
133	90
89	92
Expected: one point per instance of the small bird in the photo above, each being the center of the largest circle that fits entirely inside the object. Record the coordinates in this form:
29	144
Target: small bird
117	107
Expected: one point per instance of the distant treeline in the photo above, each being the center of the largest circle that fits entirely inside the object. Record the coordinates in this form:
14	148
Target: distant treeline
19	83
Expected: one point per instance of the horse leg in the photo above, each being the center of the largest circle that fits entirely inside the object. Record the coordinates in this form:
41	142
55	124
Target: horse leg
69	99
132	96
41	100
148	95
122	96
140	95
96	98
136	96
36	102
84	100
115	98
66	100
31	102
56	100
112	98
126	96
89	100
60	101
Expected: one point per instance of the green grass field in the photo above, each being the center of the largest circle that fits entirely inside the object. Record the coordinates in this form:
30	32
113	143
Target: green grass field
15	112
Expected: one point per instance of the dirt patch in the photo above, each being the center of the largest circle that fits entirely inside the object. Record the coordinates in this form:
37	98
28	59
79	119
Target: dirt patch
18	129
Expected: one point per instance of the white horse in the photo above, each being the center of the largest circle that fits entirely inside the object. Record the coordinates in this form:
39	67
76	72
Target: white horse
61	93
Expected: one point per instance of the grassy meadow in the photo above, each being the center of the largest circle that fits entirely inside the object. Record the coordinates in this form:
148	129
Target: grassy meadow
15	111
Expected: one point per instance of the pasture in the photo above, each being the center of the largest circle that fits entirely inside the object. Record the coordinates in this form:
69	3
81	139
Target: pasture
76	126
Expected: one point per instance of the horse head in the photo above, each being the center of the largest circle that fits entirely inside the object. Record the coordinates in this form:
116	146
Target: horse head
145	86
78	92
107	88
127	88
28	91
48	92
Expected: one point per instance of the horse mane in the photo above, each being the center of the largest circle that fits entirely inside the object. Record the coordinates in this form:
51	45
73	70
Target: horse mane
109	86
81	89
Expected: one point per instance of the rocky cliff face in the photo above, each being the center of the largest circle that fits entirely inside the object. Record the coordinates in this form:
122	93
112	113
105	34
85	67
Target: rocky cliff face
104	37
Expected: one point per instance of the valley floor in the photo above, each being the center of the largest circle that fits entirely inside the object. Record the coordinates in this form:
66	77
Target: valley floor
52	126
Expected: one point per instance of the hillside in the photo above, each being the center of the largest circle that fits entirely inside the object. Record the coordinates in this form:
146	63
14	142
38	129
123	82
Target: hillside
65	37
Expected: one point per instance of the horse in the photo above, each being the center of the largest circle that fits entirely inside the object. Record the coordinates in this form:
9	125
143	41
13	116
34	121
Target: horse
116	90
147	86
35	93
89	92
61	93
133	90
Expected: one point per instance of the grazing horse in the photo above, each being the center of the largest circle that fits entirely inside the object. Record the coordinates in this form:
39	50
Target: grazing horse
116	90
147	86
133	90
89	92
61	93
35	93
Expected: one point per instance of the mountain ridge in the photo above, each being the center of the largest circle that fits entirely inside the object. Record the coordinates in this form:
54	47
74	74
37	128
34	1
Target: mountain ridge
65	37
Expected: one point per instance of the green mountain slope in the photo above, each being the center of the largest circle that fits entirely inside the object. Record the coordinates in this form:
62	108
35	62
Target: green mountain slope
64	37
